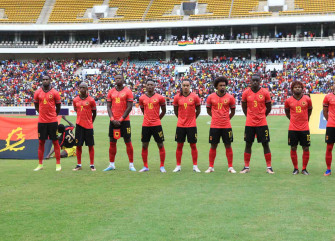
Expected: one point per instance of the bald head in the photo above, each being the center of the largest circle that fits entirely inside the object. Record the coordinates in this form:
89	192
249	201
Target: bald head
83	84
83	87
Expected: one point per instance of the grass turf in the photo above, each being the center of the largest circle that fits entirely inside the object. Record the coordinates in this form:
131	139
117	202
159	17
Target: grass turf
122	205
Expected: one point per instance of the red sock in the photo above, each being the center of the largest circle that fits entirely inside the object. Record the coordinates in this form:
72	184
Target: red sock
329	155
268	159
247	157
179	153
78	152
91	151
212	155
40	151
130	152
112	151
294	158
57	151
162	155
194	152
305	159
229	155
145	156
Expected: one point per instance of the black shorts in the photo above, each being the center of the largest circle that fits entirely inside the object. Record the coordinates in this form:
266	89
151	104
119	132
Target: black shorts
330	135
47	131
302	137
215	134
190	132
124	128
156	131
84	135
262	132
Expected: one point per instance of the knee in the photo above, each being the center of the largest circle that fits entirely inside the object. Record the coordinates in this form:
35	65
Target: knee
293	148
305	148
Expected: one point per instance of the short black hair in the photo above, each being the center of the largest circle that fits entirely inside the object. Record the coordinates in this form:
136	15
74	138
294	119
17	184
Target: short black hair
150	80
61	128
256	76
217	80
43	75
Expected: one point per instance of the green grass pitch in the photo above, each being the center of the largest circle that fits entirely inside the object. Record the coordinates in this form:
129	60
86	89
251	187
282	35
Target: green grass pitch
121	205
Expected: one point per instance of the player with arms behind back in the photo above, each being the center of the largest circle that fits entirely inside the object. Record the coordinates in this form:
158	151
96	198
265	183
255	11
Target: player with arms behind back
187	109
329	114
298	109
256	105
47	104
218	106
119	104
150	104
85	107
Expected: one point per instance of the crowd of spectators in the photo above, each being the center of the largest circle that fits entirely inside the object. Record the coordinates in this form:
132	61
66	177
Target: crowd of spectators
20	79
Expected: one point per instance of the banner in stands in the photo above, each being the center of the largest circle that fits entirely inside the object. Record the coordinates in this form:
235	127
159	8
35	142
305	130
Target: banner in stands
102	110
317	123
19	138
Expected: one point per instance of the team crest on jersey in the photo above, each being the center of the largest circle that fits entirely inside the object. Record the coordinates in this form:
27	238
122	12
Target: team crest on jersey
225	101
303	103
260	96
86	103
190	100
154	100
50	96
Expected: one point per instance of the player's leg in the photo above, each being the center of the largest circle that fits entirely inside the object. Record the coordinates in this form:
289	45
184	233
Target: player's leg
126	133
112	147
293	142
305	142
330	139
249	137
79	137
52	133
180	139
214	139
227	140
146	136
192	137
159	139
42	136
263	136
267	155
89	141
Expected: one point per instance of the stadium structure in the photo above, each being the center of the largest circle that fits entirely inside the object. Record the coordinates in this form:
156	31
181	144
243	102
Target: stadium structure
185	30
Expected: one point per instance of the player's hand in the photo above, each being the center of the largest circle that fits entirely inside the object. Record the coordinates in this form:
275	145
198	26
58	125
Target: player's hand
116	123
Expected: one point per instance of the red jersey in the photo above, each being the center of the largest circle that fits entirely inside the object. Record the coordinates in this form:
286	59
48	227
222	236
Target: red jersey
220	107
186	109
151	107
84	108
329	101
119	101
47	105
256	106
299	112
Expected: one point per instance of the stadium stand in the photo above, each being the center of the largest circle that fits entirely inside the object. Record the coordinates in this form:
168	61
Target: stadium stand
72	11
162	9
247	8
215	9
311	7
21	11
128	10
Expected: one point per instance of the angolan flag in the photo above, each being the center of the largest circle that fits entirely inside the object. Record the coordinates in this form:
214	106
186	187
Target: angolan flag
19	138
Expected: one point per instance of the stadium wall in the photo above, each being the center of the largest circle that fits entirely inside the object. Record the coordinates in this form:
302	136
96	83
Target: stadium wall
102	110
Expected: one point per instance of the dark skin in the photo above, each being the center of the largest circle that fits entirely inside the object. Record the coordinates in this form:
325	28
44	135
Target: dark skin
298	94
221	91
46	87
119	82
150	88
255	87
325	109
83	90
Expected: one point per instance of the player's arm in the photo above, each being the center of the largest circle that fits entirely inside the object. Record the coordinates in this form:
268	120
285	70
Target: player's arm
197	111
268	106
69	122
310	108
142	109
288	113
37	106
232	113
57	108
162	114
94	114
175	108
109	109
325	112
244	107
127	111
309	113
209	111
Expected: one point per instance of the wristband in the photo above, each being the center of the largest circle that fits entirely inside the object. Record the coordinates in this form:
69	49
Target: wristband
121	119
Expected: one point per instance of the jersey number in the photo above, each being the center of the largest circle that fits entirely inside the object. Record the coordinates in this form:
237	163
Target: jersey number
69	137
185	105
255	103
150	105
81	108
128	130
308	137
220	106
298	109
266	133
117	100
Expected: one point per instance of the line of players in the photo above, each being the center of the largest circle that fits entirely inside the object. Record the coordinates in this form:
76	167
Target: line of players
256	105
